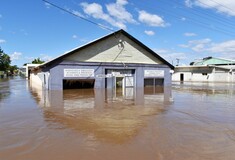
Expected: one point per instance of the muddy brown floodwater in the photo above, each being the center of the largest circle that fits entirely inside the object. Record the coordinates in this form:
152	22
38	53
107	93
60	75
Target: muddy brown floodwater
185	122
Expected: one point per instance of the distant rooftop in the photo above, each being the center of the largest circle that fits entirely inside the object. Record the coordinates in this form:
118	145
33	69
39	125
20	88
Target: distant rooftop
213	61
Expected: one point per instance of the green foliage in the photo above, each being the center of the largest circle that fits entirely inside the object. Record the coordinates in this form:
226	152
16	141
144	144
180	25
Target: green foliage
5	61
13	69
37	61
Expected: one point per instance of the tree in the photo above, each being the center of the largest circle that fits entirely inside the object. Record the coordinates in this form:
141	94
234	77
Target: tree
13	69
37	61
5	61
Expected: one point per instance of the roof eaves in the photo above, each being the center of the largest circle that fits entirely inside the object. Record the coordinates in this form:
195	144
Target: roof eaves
106	36
77	49
148	49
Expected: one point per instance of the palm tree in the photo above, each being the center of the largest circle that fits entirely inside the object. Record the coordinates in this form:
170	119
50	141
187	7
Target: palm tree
37	61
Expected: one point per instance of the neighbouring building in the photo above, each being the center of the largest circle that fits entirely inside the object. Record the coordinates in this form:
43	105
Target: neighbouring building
26	70
209	69
115	60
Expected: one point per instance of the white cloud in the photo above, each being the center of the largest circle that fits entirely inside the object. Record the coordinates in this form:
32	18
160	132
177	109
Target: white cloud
122	2
47	5
15	56
118	11
2	41
183	45
29	59
161	51
197	45
189	3
74	36
224	49
201	41
45	57
151	19
227	47
77	13
150	33
183	19
190	34
96	11
175	55
221	6
172	56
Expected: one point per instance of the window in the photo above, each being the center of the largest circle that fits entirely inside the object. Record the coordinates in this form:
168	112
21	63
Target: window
78	83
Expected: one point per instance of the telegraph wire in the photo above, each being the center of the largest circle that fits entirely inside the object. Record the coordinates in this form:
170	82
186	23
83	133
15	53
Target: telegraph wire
208	16
221	22
222	5
192	20
85	19
97	24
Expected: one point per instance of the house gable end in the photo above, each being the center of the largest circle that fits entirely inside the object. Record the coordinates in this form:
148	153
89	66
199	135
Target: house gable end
115	49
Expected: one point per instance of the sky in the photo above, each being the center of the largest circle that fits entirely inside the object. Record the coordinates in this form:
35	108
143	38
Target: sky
180	31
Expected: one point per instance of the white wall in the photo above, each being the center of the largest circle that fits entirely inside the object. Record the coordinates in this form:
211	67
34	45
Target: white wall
113	51
218	74
36	81
198	77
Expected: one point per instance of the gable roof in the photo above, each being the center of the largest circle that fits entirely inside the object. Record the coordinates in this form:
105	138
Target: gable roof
121	31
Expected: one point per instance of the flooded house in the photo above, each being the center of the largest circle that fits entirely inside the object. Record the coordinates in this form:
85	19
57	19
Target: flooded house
209	69
115	60
26	71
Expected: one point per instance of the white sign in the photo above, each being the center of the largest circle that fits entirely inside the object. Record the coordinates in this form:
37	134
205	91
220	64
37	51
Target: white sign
78	72
104	76
153	73
120	74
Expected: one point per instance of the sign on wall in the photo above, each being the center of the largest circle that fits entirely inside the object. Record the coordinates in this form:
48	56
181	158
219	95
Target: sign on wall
153	73
78	72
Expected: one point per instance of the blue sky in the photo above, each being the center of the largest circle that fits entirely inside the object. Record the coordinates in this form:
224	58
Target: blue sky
175	29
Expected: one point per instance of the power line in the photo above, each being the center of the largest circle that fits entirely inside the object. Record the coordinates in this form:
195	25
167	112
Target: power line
192	20
85	19
222	5
220	21
208	16
205	25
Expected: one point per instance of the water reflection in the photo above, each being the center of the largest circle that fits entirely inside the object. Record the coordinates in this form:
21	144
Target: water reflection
101	124
103	114
4	88
207	88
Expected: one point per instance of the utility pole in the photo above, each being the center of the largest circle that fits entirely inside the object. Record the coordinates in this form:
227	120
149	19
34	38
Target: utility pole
178	60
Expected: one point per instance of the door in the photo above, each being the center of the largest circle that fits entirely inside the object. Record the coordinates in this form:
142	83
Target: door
181	77
128	87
